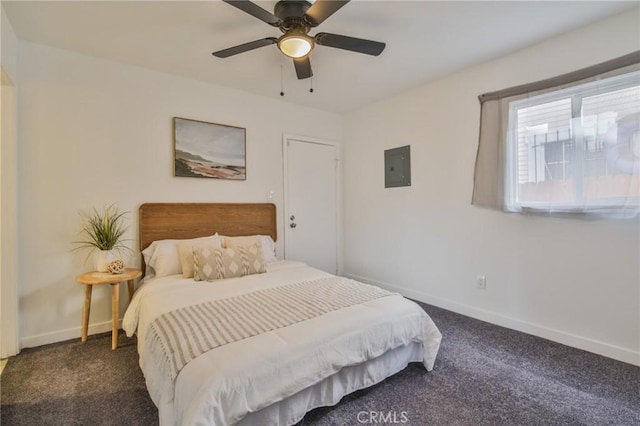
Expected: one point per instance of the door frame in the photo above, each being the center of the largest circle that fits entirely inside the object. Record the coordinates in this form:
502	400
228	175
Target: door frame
9	341
338	173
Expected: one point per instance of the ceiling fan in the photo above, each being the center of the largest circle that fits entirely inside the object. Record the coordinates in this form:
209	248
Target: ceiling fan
295	18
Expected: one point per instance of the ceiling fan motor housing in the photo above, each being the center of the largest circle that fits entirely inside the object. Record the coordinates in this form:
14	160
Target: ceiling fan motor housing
292	12
286	8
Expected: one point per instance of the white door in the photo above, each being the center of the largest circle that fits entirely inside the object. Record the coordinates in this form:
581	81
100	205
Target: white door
311	202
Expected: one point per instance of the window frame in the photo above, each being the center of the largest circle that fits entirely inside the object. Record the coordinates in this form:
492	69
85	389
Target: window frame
577	93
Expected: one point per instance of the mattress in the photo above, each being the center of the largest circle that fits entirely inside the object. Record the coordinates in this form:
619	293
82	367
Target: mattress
277	376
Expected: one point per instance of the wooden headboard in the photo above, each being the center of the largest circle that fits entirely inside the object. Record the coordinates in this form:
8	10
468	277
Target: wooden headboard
160	221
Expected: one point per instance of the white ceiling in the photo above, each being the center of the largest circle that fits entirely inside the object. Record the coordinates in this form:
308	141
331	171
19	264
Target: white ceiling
425	40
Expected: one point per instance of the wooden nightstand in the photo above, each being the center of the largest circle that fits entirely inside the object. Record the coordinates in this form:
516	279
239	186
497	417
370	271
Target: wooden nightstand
91	278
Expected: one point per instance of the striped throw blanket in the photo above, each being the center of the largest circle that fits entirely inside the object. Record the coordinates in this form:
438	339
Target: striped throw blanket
188	332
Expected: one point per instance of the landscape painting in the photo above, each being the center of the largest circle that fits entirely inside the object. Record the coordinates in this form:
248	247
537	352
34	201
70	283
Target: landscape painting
209	150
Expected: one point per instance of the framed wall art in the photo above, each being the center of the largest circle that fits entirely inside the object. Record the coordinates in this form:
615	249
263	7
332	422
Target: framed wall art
209	150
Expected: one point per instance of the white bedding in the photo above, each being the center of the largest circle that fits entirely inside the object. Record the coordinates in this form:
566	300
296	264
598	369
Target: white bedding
223	385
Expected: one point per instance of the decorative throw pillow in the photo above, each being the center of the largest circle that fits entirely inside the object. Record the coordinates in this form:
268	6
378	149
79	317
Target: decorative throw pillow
185	251
219	263
268	246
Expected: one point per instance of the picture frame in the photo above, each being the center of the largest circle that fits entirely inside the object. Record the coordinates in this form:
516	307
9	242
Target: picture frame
209	150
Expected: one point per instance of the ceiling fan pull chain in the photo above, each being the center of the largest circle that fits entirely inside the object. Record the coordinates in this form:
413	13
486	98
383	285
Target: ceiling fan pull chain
311	85
281	82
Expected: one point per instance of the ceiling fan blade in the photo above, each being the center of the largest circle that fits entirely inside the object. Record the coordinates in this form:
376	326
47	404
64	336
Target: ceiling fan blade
225	53
322	9
303	67
353	44
255	10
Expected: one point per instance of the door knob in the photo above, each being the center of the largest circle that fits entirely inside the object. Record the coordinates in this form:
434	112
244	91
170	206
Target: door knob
292	225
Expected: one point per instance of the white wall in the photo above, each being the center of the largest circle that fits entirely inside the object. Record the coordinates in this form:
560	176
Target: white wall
569	280
94	132
8	47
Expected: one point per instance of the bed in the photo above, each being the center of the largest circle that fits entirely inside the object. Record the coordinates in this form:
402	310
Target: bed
273	367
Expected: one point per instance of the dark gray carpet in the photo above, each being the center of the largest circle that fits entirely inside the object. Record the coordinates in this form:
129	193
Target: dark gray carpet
484	375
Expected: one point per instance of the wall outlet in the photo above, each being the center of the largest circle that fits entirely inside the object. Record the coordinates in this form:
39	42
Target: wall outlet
481	282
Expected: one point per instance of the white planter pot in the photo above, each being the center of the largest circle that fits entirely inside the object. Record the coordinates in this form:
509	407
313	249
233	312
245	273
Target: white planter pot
103	258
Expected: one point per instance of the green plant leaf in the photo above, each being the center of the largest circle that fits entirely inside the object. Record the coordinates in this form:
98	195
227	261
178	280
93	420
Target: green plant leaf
103	229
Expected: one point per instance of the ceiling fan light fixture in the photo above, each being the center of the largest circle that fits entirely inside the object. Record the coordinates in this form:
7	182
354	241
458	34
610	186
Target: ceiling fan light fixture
295	45
295	18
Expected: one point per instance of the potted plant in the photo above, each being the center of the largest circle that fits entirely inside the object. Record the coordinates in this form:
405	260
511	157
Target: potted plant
103	231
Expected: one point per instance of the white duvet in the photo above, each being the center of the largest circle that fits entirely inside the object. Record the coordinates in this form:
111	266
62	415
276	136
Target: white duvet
224	385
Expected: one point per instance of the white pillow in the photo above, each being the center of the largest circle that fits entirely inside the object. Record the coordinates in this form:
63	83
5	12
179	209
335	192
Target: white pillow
268	248
162	259
268	245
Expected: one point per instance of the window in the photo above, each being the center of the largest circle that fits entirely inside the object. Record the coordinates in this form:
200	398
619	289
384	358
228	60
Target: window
569	144
577	147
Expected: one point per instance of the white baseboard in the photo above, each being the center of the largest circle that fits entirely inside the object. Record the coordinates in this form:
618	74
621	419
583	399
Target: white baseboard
62	335
584	343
